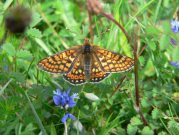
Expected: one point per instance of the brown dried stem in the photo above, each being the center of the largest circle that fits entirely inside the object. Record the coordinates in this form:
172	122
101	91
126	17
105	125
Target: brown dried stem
136	83
110	17
90	26
117	87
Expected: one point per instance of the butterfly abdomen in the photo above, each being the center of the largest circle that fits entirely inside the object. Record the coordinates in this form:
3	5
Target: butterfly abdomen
87	60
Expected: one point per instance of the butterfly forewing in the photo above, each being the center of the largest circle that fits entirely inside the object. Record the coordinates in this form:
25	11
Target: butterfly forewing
113	62
60	63
76	75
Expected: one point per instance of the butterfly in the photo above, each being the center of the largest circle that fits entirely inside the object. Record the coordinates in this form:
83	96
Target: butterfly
86	63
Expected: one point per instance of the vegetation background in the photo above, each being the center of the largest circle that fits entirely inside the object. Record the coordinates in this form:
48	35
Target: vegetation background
26	93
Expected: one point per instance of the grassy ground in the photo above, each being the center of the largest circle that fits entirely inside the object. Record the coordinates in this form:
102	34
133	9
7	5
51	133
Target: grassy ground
26	93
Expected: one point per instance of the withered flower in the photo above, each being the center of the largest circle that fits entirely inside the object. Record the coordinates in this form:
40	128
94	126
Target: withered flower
94	6
17	19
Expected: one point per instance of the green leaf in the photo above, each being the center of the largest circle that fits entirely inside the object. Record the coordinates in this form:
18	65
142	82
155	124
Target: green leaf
135	121
24	54
147	131
149	69
35	33
19	77
131	130
9	48
164	42
151	30
176	54
53	130
36	18
162	133
152	46
156	114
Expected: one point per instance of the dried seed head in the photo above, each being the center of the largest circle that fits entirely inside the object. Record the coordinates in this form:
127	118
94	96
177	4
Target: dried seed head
17	19
94	6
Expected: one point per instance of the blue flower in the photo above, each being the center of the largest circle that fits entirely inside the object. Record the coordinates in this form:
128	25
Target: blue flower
173	41
175	26
176	64
67	116
64	99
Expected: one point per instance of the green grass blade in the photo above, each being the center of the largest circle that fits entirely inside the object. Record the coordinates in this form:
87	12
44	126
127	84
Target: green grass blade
39	122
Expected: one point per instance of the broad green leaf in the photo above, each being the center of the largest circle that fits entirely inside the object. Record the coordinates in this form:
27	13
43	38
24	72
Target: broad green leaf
35	33
135	121
156	114
36	18
147	131
9	48
24	54
131	130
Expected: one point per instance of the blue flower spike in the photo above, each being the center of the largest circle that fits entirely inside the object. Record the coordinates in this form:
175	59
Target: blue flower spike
176	64
175	26
63	99
173	42
68	116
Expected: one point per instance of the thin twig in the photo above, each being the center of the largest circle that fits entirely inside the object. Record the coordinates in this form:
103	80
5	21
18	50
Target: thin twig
110	17
136	83
143	48
121	81
22	43
90	26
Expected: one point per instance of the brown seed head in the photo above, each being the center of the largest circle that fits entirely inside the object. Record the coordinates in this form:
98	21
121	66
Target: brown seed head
94	6
17	19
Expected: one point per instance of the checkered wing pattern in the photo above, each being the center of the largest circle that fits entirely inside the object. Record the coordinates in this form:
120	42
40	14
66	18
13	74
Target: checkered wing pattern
113	62
97	73
77	75
60	63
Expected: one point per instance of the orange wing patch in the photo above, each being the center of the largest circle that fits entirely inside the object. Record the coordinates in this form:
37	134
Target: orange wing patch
59	63
76	76
113	62
97	74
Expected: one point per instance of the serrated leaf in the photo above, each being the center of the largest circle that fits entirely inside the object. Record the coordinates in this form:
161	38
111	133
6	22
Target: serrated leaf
135	121
35	33
145	103
156	114
9	48
172	124
147	131
24	54
131	130
36	18
162	133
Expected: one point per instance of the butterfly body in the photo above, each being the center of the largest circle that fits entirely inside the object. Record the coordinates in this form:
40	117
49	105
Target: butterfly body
86	63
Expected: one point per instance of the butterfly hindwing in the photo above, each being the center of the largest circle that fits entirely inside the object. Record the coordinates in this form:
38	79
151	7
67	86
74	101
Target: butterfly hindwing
113	62
76	75
97	73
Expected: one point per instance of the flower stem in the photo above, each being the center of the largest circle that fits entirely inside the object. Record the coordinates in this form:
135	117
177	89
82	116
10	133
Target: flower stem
66	131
